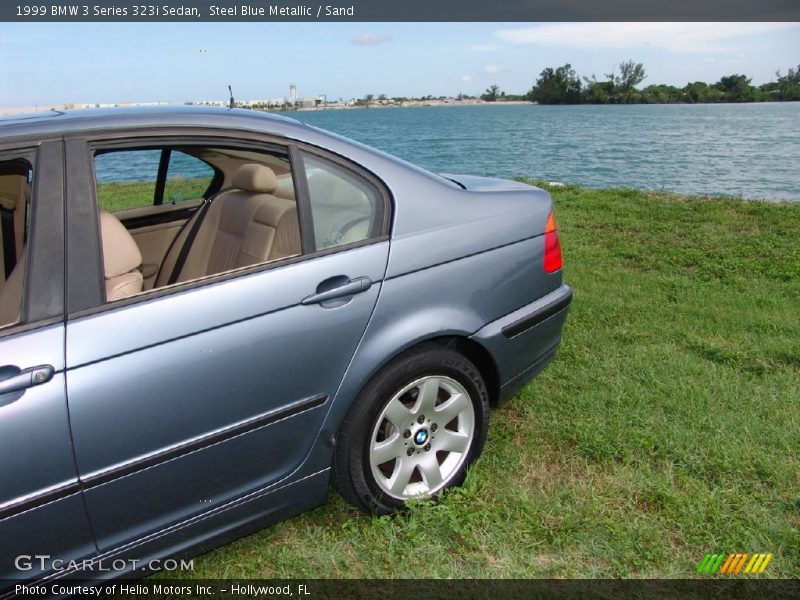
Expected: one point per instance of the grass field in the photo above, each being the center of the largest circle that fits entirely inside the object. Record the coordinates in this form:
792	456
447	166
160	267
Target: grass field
669	425
123	195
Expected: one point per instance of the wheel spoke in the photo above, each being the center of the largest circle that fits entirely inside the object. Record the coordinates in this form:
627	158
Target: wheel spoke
399	416
428	394
403	469
450	409
452	441
387	449
431	472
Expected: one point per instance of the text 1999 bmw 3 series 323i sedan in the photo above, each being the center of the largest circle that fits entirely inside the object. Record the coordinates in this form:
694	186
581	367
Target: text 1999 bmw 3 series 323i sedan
209	315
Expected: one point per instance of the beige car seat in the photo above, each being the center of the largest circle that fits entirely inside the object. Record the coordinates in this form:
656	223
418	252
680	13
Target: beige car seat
244	225
121	259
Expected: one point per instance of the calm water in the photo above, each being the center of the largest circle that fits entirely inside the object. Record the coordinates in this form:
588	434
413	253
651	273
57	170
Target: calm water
748	150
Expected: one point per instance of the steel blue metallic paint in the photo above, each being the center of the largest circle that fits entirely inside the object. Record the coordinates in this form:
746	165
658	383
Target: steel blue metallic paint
154	384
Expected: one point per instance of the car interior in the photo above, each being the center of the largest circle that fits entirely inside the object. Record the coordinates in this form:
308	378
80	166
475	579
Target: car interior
246	224
240	211
170	215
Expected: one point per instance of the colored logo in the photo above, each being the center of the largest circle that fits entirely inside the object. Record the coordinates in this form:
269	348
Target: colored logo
734	564
421	437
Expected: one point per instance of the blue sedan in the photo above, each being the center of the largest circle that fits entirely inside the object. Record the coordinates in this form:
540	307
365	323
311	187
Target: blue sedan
207	316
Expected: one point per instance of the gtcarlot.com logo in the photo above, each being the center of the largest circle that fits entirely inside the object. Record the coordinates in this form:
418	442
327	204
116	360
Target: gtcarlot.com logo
743	563
45	562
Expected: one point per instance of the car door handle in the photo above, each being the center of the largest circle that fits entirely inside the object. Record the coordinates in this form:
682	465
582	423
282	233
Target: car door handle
26	378
348	287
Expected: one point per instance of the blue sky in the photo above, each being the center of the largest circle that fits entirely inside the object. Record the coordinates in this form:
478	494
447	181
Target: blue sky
115	62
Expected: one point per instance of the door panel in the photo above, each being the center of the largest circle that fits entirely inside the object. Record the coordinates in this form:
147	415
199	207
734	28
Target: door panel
181	403
171	490
40	409
41	511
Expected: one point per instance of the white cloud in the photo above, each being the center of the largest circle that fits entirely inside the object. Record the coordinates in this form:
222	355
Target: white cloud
493	69
369	39
483	48
466	78
674	37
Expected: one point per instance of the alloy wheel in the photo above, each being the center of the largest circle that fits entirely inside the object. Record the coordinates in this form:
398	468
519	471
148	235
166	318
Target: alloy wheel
422	437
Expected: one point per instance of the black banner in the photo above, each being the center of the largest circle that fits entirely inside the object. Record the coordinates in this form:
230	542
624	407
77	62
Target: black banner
403	10
412	589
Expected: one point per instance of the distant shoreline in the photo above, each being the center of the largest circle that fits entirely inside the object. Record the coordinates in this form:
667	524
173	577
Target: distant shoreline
420	104
333	106
518	103
8	111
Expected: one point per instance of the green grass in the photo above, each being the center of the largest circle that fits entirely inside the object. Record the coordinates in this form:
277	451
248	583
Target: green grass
668	427
123	195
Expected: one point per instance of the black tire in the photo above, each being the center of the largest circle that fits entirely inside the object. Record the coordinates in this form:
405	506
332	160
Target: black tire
352	475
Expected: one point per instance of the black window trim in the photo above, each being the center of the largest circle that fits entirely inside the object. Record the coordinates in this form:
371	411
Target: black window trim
85	280
42	302
226	138
302	198
161	177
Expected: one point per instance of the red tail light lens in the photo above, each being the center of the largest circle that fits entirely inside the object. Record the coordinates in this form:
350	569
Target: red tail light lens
552	249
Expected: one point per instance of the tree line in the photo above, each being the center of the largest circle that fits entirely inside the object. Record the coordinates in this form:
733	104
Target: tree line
562	85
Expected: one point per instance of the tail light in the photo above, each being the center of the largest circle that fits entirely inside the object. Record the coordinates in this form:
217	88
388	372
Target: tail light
552	249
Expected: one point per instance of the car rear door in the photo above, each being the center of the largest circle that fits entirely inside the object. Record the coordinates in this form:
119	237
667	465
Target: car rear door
185	399
43	522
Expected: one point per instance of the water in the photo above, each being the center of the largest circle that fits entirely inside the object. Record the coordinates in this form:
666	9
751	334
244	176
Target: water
142	165
746	150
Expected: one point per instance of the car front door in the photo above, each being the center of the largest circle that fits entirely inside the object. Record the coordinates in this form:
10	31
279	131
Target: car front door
186	398
43	522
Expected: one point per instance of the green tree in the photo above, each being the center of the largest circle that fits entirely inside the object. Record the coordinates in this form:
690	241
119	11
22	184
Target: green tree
700	91
789	84
661	94
736	88
598	92
491	94
630	75
557	86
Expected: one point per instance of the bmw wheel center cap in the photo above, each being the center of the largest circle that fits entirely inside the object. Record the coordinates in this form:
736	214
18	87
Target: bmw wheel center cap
421	437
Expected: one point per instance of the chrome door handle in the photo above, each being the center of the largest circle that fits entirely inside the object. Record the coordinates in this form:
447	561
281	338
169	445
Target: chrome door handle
350	288
26	378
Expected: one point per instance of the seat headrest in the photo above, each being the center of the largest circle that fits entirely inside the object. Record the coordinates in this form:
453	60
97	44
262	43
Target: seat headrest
121	254
253	177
